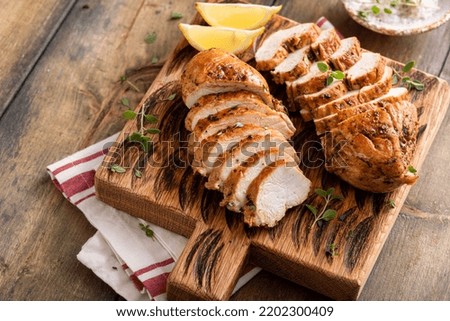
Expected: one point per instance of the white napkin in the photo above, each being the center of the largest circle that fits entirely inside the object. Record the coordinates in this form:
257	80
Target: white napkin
120	253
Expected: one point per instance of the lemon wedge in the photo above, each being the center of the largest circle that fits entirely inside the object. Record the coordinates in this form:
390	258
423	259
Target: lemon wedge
228	39
236	15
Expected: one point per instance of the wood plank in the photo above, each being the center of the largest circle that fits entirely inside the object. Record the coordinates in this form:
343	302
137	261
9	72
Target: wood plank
418	267
23	43
71	89
300	254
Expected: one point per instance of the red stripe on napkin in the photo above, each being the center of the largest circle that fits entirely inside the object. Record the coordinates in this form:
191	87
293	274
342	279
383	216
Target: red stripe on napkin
78	183
154	266
84	198
156	285
80	161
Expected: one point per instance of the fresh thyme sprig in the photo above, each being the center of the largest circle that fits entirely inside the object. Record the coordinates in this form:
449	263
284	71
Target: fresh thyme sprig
325	213
334	75
407	81
331	250
148	231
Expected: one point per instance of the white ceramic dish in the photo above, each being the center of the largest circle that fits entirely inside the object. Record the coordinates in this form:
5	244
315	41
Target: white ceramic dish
404	20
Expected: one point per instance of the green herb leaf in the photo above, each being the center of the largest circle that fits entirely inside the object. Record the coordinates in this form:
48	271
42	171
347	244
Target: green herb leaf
176	15
321	192
394	79
323	67
375	10
337	197
125	101
330	80
148	231
151	119
363	14
337	74
122	79
154	60
150	38
328	215
115	168
135	137
417	85
312	209
387	11
137	173
129	114
411	169
391	203
171	97
153	131
408	66
330	191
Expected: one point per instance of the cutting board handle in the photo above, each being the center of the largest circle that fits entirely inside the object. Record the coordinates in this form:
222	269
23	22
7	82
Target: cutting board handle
212	261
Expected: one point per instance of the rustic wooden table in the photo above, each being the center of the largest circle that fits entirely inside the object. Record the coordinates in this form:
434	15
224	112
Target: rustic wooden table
60	70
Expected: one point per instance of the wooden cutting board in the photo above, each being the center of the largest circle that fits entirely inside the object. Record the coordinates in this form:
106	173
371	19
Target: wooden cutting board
220	246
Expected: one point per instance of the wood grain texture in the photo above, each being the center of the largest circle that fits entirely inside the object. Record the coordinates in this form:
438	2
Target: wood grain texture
69	95
23	43
63	106
293	249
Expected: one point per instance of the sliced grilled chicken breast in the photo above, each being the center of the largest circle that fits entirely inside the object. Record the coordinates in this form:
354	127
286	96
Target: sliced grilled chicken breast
215	71
307	103
348	54
277	188
312	82
377	89
295	65
207	151
241	152
276	46
326	44
368	70
239	116
372	150
240	178
356	97
347	100
327	123
208	106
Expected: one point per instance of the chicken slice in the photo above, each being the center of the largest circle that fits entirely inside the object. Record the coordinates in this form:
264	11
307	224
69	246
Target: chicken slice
356	97
326	44
240	178
377	89
216	71
329	122
372	150
368	70
241	152
210	149
295	65
314	81
239	116
209	105
308	103
277	188
348	54
277	46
